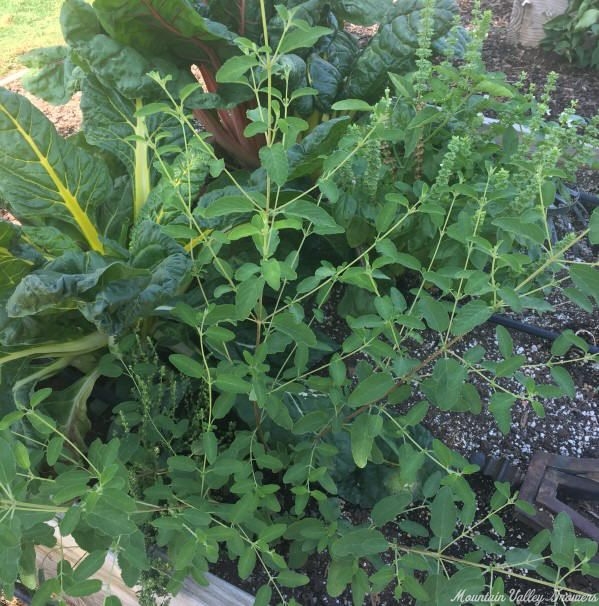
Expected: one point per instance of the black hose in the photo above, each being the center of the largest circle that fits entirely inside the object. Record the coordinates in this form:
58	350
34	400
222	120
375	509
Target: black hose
584	197
587	198
550	335
22	595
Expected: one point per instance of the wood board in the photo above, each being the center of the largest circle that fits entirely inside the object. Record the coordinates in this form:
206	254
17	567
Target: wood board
217	593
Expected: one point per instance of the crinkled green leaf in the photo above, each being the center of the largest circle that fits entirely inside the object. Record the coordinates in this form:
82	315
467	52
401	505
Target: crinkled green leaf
363	12
326	79
52	75
393	47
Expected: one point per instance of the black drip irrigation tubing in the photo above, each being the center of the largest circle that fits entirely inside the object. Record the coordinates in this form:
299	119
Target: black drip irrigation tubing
530	329
586	198
22	595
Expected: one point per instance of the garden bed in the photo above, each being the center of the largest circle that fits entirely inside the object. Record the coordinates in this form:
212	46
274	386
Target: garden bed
570	426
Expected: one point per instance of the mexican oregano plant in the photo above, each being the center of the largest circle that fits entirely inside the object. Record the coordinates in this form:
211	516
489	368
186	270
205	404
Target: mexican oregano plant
320	418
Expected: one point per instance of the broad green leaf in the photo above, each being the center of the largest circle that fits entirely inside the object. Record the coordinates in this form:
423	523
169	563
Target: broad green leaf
359	543
364	12
290	578
188	366
415	414
350	105
274	160
228	205
505	342
388	508
326	79
339	576
89	565
302	38
246	562
21	455
234	68
337	370
471	315
85	588
160	28
444	387
45	591
563	541
363	432
562	377
322	222
589	18
8	466
444	513
567	340
229	383
426	116
523	558
435	313
307	157
414	529
288	324
371	390
540	541
414	588
586	278
248	294
501	407
108	517
40	174
493	87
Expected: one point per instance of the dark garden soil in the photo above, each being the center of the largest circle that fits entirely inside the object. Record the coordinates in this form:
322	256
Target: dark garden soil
570	425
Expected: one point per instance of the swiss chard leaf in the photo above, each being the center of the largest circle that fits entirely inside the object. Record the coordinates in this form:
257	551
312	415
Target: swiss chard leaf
161	28
41	176
52	75
393	47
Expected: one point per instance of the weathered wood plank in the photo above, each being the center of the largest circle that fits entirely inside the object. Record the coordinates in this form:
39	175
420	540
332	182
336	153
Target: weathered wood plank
217	593
528	17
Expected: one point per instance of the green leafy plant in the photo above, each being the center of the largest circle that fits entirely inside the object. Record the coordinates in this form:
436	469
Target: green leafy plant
81	267
575	34
117	43
241	423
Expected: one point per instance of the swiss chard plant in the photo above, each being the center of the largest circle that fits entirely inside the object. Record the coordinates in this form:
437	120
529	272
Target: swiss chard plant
81	263
115	43
247	424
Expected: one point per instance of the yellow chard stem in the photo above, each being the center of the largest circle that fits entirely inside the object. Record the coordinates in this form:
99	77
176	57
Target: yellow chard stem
142	170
